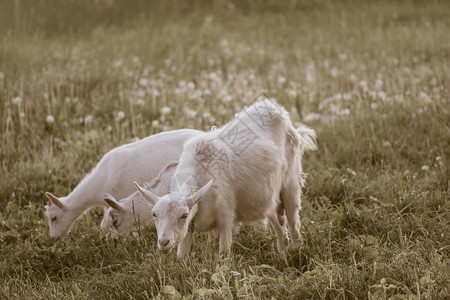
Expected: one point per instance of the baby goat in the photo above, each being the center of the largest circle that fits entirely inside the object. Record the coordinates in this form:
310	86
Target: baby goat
114	173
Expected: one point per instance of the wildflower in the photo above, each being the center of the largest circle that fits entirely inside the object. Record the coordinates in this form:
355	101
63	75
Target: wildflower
292	93
347	96
16	100
143	82
378	84
165	110
424	97
120	115
406	172
433	81
382	95
191	113
224	43
281	79
67	100
140	102
345	112
88	119
363	84
22	114
45	95
50	119
352	77
334	72
191	85
227	98
117	63
387	144
374	105
425	167
155	92
141	93
109	128
312	117
343	56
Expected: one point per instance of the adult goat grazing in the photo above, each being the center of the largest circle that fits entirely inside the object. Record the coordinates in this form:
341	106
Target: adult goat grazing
247	170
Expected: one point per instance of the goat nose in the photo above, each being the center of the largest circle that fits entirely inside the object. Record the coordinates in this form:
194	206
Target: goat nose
164	242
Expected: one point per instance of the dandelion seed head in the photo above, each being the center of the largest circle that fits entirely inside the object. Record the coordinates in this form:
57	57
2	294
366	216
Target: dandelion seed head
16	100
50	119
120	115
165	110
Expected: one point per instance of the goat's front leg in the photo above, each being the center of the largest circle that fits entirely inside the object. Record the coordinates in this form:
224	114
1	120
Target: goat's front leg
225	237
185	246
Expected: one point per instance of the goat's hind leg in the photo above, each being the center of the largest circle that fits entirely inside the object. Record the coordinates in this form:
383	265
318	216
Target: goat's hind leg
278	227
290	196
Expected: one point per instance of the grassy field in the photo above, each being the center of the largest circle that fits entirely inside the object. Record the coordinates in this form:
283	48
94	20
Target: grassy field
372	77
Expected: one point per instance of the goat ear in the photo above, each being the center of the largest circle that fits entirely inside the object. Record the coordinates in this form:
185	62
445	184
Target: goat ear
112	202
52	199
192	200
149	196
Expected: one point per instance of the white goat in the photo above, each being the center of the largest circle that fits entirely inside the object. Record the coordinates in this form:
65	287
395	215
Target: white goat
115	173
128	214
248	170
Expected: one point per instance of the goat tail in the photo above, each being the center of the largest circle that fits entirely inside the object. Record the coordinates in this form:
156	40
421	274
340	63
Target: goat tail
307	138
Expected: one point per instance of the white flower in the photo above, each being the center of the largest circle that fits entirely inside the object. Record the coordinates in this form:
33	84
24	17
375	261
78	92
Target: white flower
363	84
191	85
387	144
425	168
165	110
2	76
373	105
378	84
206	115
67	100
120	115
224	43
292	93
45	95
382	95
281	79
155	92
433	81
424	97
191	113
343	56
22	114
334	72
141	93
352	77
109	128
50	119
345	112
312	117
140	102
16	100
88	119
227	98
143	82
347	96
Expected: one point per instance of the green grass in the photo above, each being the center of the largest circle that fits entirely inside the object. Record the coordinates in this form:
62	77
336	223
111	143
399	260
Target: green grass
372	77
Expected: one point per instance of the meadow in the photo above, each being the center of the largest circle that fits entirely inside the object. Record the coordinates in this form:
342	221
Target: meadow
371	77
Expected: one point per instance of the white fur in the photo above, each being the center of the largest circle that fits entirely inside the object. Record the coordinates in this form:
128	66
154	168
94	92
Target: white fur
249	170
114	174
130	213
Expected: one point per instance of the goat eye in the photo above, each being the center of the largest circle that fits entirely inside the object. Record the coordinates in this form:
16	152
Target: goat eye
53	219
184	217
